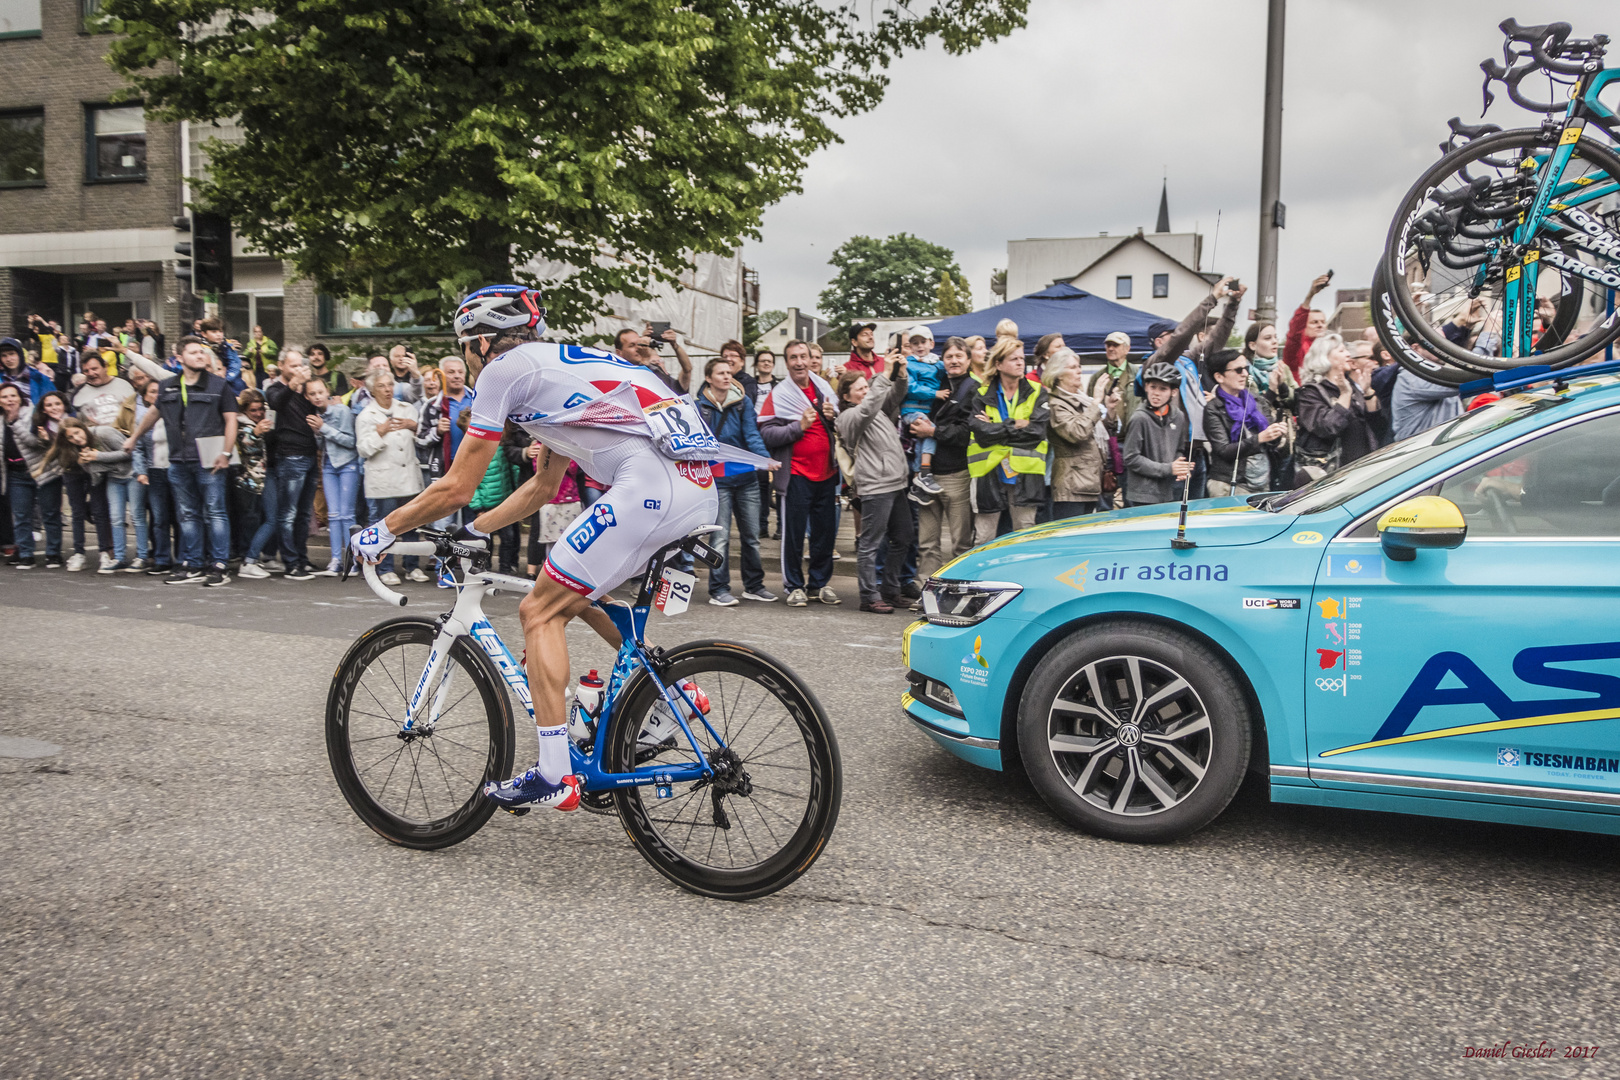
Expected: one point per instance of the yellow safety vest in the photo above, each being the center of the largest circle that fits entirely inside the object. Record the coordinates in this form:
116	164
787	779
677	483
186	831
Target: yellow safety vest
1020	459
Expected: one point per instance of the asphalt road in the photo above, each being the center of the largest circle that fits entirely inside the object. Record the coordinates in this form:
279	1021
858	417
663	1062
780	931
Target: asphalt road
186	894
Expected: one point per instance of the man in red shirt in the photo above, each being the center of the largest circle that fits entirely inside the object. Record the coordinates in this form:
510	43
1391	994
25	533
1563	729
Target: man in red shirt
863	354
796	422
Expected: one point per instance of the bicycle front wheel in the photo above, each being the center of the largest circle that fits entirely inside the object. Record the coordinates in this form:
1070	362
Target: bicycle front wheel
1451	244
767	814
421	788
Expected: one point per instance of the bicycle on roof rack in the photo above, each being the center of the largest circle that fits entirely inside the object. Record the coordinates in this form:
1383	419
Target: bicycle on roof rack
719	761
1506	251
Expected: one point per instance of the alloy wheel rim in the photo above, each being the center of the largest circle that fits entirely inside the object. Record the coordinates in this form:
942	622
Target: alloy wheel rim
1130	736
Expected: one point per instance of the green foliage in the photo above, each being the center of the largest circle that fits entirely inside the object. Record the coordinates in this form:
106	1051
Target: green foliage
998	283
755	325
413	148
952	296
886	278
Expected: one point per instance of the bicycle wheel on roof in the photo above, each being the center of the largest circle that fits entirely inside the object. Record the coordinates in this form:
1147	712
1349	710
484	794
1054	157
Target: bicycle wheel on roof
1486	284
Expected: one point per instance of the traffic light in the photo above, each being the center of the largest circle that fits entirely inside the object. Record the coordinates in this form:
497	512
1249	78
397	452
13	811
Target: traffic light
210	254
182	267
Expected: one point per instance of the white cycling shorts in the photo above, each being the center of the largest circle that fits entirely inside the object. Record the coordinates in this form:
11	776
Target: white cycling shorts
653	500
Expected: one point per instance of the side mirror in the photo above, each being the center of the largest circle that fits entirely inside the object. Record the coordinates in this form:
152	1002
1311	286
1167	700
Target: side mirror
1427	521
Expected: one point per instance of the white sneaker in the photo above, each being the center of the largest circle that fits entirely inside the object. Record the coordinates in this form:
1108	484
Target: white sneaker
390	578
274	566
252	570
109	565
836	557
417	575
332	568
75	563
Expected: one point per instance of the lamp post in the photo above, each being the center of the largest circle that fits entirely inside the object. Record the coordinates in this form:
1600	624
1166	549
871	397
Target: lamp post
1271	207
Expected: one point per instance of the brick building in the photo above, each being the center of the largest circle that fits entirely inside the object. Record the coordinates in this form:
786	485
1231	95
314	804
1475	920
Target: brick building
90	193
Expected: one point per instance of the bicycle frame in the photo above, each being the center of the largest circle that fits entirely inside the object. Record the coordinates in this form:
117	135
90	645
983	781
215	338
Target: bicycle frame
467	619
1554	196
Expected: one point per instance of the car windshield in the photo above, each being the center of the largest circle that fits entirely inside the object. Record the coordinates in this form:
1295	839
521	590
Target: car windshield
1392	460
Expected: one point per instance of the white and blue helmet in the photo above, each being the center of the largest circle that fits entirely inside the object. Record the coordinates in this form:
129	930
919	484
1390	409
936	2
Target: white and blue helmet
494	308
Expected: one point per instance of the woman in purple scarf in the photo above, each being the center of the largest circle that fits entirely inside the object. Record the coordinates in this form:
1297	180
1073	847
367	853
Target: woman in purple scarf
1238	428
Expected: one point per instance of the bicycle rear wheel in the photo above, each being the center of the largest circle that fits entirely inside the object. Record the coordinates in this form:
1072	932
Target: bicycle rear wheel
424	788
1408	353
1451	243
768	812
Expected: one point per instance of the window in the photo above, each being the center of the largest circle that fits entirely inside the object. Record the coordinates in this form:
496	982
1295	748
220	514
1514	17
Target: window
115	142
1566	483
19	18
1161	286
22	148
1122	287
88	10
343	317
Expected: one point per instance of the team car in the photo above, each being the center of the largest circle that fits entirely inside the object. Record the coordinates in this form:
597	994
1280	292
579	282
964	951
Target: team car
1425	631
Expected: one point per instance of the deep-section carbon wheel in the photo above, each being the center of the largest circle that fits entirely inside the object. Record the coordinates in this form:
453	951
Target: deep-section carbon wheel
1134	731
421	789
1450	246
767	813
1407	351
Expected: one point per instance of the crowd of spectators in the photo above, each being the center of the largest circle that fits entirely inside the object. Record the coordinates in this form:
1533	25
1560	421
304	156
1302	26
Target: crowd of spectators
223	456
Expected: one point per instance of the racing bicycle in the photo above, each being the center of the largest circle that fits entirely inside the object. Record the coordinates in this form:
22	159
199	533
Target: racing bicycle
1517	231
719	761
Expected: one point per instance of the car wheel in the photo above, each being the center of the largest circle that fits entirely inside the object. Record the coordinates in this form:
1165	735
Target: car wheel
1134	731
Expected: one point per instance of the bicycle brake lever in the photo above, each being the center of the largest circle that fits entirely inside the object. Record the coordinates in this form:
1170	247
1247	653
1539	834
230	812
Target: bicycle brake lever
346	560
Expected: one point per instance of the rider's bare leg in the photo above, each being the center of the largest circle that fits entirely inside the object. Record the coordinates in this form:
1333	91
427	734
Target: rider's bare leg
544	614
598	620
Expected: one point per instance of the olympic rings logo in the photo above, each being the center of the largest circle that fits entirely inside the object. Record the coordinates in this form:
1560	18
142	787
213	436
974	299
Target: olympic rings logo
1330	684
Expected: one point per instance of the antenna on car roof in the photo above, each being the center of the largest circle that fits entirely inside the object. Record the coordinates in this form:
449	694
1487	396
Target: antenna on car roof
1180	541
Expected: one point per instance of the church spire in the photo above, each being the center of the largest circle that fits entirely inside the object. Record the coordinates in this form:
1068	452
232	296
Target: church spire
1163	225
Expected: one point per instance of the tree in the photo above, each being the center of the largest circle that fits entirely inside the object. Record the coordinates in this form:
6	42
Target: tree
413	148
886	278
952	296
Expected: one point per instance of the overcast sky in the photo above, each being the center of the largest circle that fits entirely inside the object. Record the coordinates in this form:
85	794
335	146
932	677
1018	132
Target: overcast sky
1067	127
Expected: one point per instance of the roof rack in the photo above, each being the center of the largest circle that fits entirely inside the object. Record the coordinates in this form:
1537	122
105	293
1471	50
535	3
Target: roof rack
1514	378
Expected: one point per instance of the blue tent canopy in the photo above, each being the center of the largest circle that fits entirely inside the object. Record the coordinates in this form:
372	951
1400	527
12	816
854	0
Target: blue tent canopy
1081	317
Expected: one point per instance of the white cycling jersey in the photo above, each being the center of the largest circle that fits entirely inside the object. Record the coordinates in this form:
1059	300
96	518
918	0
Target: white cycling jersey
606	414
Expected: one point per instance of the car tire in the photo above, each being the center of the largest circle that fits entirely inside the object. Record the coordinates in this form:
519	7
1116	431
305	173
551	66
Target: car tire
1110	766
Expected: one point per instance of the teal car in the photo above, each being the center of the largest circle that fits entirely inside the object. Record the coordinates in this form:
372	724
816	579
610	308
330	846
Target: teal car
1425	631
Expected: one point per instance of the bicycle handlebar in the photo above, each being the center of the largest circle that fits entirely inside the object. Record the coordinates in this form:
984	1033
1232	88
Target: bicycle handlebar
1549	44
424	548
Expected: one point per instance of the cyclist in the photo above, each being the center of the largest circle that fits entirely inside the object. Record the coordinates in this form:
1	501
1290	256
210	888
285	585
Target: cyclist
587	406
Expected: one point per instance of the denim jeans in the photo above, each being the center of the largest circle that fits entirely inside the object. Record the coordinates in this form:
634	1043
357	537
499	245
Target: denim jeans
139	495
269	518
340	485
381	508
118	500
25	493
742	500
291	472
160	503
808	506
199	495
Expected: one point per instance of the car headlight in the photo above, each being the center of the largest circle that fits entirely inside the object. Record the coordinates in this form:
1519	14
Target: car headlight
963	603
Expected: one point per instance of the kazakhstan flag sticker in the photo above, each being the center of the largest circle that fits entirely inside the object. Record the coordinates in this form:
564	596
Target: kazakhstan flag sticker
1365	567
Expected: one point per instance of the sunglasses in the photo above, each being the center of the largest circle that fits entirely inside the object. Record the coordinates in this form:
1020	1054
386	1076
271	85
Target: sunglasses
1244	370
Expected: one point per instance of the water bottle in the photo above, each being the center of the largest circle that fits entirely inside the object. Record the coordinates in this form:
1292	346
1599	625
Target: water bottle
586	708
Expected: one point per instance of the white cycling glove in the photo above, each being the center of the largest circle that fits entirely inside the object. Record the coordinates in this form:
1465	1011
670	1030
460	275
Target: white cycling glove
369	543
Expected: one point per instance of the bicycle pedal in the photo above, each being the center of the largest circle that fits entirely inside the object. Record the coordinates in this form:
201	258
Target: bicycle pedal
517	811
